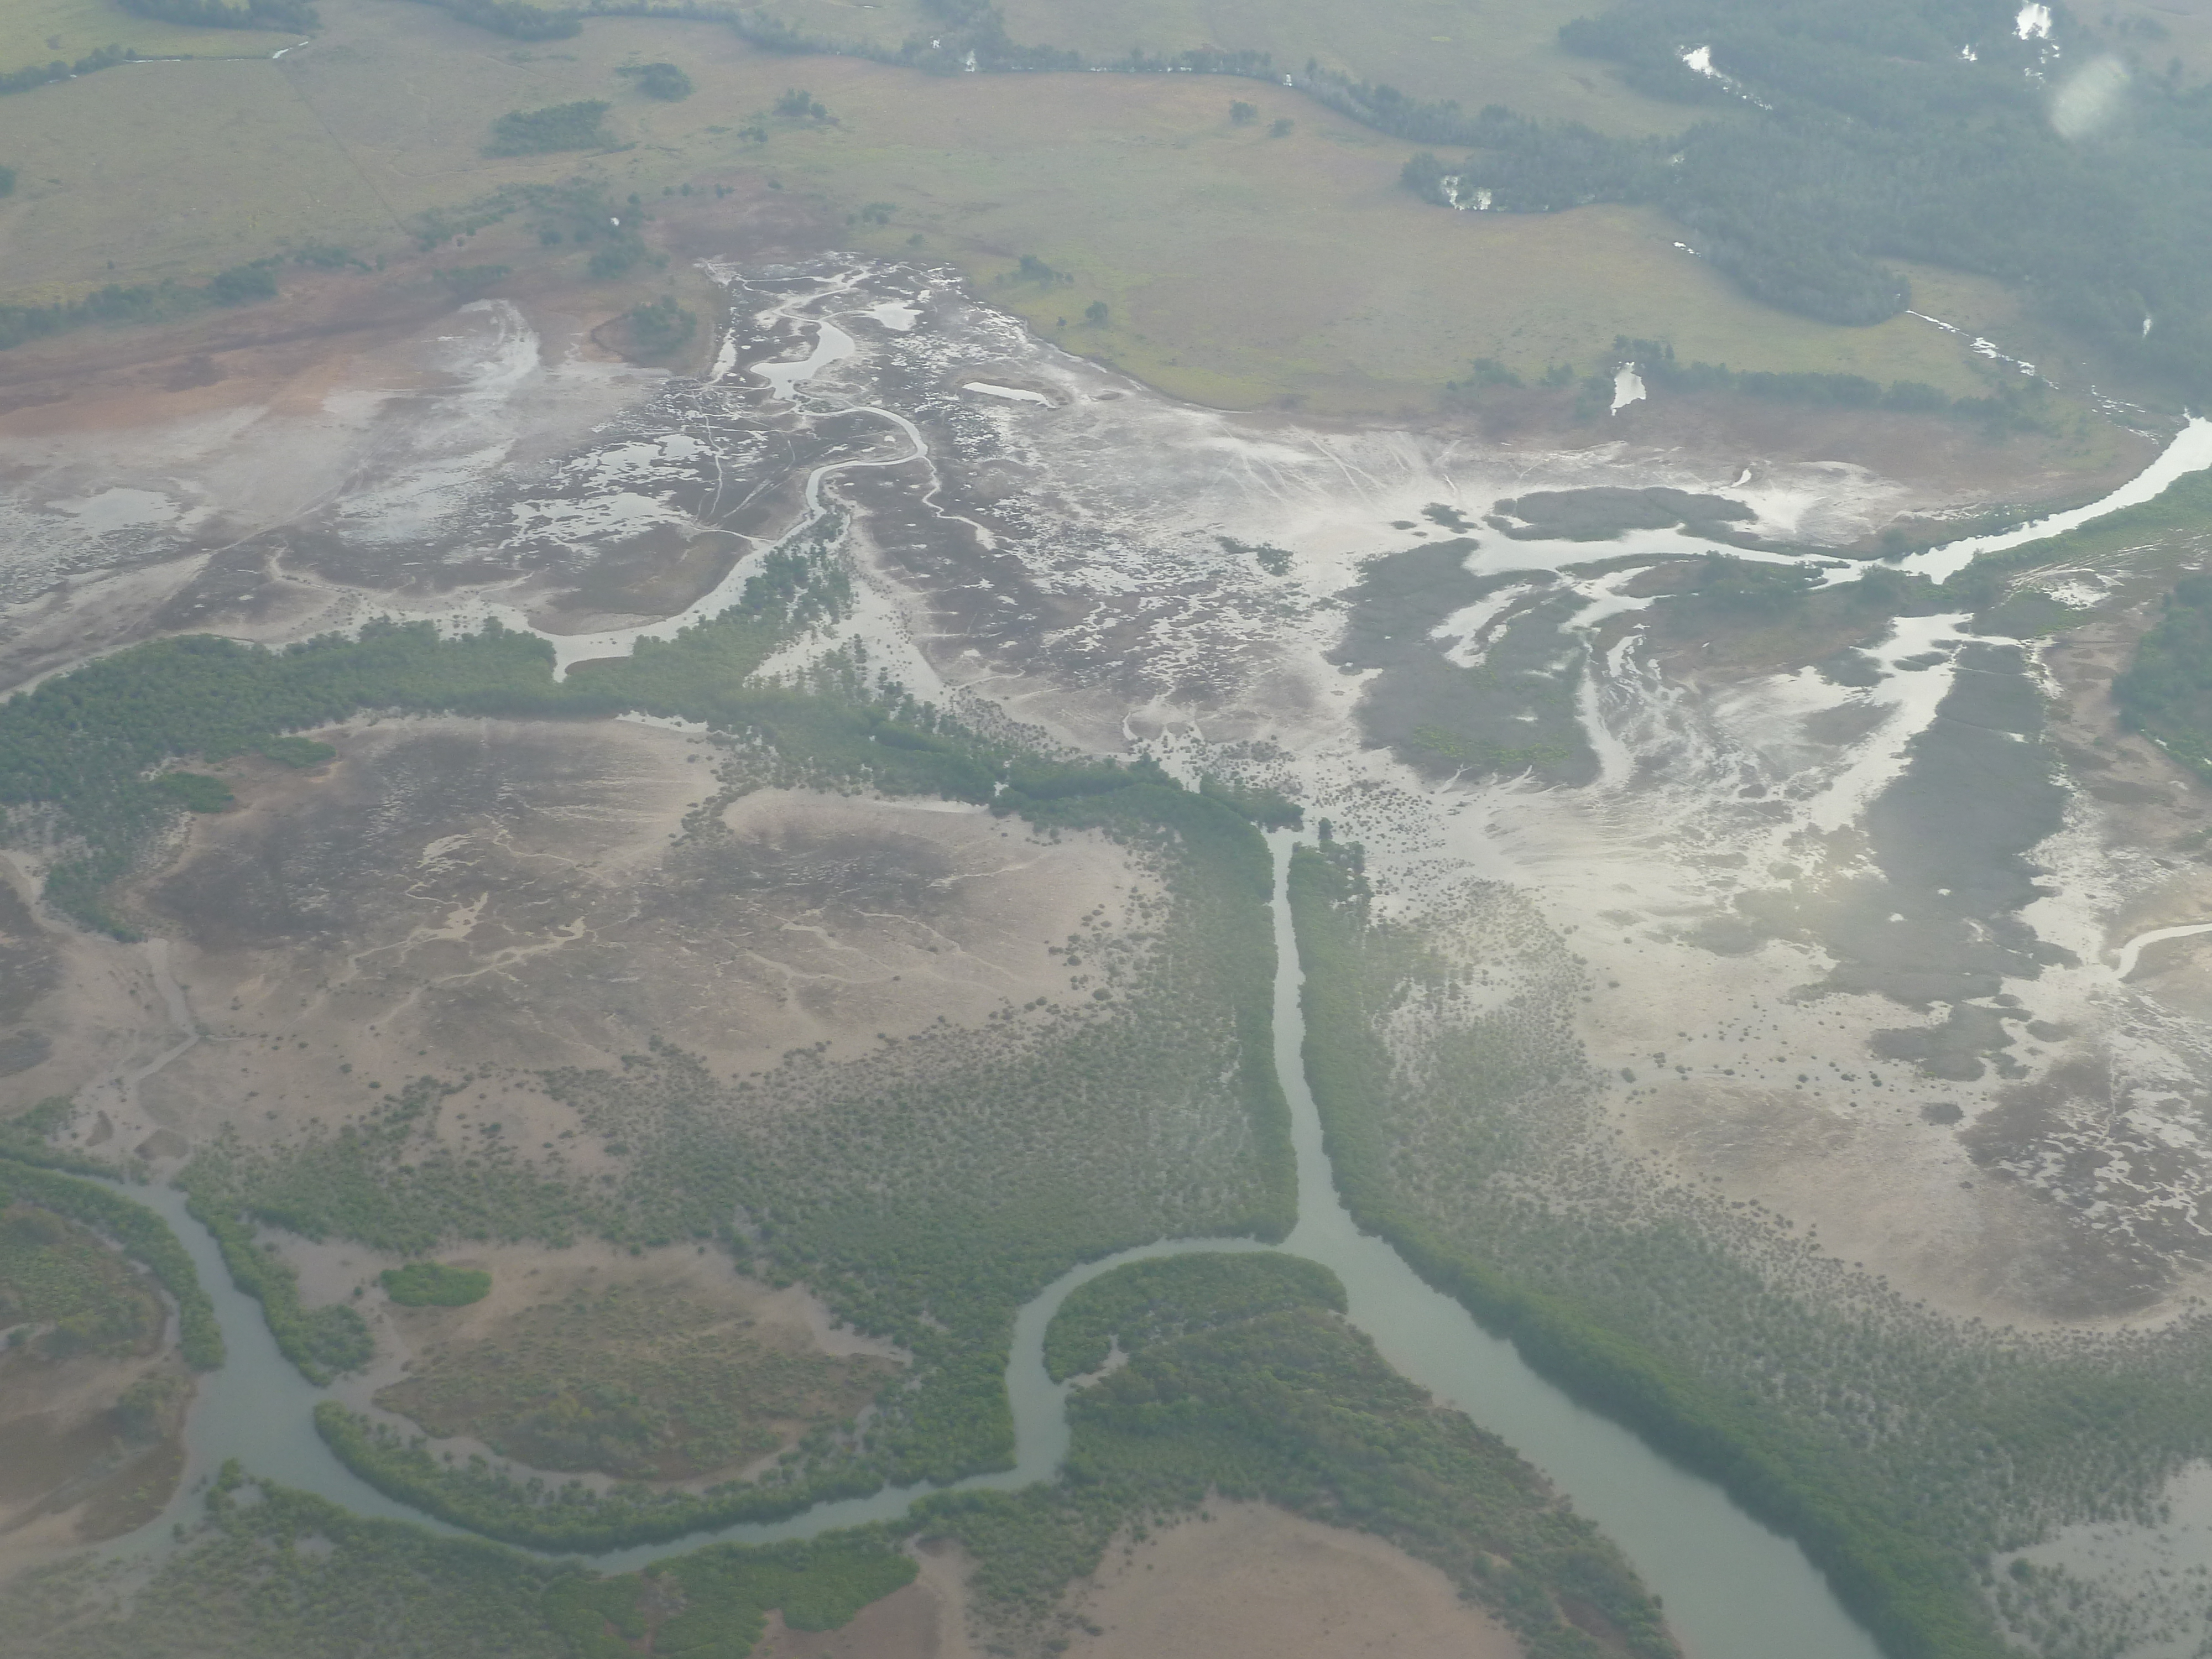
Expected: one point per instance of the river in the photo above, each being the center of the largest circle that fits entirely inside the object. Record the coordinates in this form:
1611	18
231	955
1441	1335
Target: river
1732	1589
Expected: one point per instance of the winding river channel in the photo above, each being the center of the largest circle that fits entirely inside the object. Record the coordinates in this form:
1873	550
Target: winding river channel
1732	1589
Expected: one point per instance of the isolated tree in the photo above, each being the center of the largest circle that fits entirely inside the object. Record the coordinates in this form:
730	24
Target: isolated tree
1243	114
663	80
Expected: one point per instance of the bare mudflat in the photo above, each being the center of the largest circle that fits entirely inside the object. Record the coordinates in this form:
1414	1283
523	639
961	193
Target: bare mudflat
1250	1582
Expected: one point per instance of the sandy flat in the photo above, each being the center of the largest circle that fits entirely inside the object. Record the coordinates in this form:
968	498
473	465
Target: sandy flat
1254	1583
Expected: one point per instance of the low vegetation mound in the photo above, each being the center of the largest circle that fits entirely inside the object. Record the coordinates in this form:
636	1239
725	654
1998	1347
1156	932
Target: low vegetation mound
433	1285
1600	514
663	80
579	125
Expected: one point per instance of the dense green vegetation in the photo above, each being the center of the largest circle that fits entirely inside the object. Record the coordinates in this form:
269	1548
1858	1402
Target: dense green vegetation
196	792
144	1237
2165	691
661	326
1243	1383
40	75
579	125
725	1595
516	19
323	1342
663	80
434	1285
296	752
570	1516
1903	1450
144	303
1914	129
271	1573
1150	1302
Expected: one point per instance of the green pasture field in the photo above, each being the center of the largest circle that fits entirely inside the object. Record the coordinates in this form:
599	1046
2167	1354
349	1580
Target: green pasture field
34	32
169	170
1478	52
1238	268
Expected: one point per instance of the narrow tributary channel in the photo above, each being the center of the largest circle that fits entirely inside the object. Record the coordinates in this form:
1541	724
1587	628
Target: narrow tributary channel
1732	1589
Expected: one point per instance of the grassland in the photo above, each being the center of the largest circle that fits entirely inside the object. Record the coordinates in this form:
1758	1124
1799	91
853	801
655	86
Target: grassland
1237	268
640	1381
34	32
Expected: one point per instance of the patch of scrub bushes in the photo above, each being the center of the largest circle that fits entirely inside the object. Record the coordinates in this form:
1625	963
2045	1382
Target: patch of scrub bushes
63	1289
1905	1451
557	127
145	1238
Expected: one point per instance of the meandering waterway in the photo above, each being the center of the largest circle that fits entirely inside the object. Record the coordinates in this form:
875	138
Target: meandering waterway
1732	1589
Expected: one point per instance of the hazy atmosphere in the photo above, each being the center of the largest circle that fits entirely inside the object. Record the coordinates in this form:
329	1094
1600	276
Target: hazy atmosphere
1168	829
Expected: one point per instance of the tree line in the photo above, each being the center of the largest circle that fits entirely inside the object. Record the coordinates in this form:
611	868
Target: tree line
294	16
1846	136
2165	691
142	302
